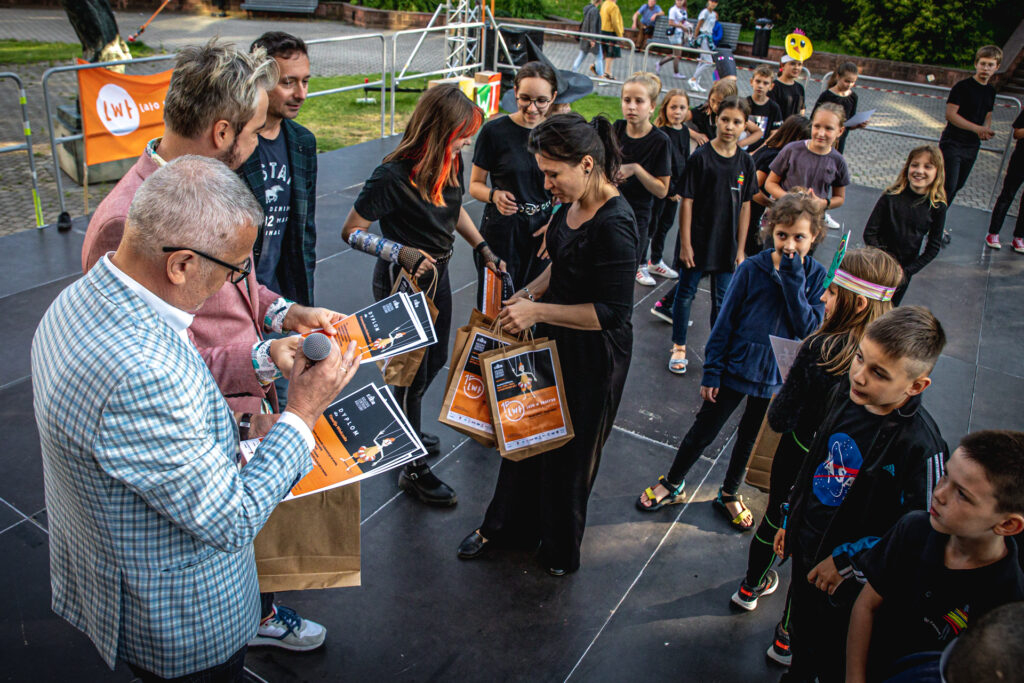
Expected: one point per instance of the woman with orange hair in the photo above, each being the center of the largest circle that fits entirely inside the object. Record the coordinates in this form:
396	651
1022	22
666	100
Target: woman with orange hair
416	195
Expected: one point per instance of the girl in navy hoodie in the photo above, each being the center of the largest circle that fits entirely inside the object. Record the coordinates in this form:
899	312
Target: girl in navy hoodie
776	292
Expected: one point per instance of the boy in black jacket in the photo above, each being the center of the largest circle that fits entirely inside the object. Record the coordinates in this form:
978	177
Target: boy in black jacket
877	455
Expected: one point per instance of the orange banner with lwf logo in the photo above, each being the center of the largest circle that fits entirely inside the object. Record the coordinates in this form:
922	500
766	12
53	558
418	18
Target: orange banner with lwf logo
120	112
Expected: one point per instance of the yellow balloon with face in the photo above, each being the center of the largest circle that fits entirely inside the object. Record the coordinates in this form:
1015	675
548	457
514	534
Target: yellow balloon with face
798	46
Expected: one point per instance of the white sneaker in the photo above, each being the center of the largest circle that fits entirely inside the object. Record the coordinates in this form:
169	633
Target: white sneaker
661	269
694	85
678	75
288	630
831	222
644	278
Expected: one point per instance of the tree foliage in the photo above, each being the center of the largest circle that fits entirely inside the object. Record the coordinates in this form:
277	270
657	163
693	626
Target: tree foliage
932	31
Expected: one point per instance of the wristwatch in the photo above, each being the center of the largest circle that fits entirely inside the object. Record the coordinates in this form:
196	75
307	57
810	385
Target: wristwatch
244	424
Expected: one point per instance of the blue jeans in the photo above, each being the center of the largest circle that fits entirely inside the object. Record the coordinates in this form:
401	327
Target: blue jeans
686	289
598	58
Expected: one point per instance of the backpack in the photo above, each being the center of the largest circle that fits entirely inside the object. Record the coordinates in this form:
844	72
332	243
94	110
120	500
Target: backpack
717	33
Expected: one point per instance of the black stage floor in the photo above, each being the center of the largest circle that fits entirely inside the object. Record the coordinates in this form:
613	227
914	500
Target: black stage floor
652	597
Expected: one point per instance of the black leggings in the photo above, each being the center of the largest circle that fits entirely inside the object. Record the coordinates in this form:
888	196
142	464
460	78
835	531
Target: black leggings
708	423
663	216
410	398
1011	183
785	468
958	161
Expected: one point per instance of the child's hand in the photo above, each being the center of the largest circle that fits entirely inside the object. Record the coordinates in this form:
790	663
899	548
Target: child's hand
709	393
626	171
779	544
686	254
675	198
740	257
986	133
698	138
825	576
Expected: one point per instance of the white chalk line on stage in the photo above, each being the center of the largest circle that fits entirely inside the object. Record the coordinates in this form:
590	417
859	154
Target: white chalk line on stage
661	543
255	675
14	382
24	518
981	327
642	437
399	494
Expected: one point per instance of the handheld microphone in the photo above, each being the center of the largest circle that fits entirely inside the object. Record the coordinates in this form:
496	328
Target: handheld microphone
316	347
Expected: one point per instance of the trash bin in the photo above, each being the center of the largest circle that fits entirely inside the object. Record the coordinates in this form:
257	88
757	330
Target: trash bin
762	37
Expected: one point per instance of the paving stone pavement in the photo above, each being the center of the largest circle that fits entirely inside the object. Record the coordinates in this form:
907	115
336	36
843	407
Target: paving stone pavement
874	157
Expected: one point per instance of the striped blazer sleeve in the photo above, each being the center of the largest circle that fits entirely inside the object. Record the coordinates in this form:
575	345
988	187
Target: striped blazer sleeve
154	440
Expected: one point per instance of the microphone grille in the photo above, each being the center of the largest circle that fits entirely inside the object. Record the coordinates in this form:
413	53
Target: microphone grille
316	346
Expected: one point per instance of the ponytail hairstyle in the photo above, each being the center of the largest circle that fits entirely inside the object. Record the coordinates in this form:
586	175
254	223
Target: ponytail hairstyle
842	331
662	119
442	115
569	138
834	108
794	128
937	192
789	208
842	70
538	70
650	82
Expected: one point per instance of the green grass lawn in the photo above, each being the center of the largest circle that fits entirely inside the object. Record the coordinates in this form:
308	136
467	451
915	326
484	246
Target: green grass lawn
32	52
338	120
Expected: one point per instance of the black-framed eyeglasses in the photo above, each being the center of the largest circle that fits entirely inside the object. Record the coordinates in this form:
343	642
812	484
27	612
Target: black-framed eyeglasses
540	102
240	273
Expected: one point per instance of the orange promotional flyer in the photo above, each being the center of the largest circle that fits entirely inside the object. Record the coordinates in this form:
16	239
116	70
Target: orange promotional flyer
359	436
385	328
528	410
120	112
491	294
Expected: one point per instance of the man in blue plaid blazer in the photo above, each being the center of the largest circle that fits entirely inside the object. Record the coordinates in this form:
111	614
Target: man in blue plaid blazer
151	521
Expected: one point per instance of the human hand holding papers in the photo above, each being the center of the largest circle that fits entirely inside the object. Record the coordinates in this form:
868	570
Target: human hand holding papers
860	119
359	436
397	324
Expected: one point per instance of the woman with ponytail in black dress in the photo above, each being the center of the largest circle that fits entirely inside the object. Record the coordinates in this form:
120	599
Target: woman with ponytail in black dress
583	301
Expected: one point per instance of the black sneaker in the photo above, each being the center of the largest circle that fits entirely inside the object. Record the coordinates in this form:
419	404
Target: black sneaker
779	651
746	597
425	485
662	312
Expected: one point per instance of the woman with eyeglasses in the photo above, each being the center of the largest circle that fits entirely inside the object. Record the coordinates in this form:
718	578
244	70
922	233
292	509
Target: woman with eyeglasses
416	195
518	207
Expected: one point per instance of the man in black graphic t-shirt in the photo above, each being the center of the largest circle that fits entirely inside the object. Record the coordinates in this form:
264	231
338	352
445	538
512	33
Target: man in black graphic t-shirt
282	175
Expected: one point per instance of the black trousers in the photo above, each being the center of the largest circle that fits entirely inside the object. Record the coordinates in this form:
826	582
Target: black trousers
410	398
958	161
1011	183
228	672
818	624
901	290
643	215
785	467
663	216
708	423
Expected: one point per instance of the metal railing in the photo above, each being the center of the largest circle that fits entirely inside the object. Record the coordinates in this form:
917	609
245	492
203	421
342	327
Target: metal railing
624	43
939	94
381	82
27	145
64	220
401	76
805	75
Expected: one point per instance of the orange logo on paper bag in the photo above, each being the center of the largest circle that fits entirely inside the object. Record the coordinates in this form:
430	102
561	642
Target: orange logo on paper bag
120	113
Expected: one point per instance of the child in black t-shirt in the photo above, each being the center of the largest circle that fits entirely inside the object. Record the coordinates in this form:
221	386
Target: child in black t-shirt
764	113
876	456
991	650
969	119
840	91
937	572
794	128
646	161
672	114
713	218
702	116
786	92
